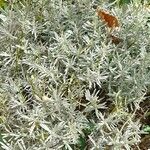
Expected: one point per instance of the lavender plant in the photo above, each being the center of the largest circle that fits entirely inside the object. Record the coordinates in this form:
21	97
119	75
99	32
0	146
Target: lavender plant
64	84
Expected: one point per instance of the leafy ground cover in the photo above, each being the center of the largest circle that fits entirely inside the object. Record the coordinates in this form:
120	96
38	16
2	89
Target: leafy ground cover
67	83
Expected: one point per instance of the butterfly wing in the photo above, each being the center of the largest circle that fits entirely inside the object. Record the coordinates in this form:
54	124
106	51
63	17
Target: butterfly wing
109	19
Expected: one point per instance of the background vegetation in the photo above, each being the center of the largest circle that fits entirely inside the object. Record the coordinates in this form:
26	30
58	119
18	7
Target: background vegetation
65	85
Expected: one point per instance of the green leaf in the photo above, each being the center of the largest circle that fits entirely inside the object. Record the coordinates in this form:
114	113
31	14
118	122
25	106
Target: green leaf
82	143
3	3
1	137
121	2
147	128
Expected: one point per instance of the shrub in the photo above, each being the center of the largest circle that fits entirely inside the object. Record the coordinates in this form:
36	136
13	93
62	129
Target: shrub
64	84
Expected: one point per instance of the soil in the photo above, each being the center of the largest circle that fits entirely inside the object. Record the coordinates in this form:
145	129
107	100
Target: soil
144	117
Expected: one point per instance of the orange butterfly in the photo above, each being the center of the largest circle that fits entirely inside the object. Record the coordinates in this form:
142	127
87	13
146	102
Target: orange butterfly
110	20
